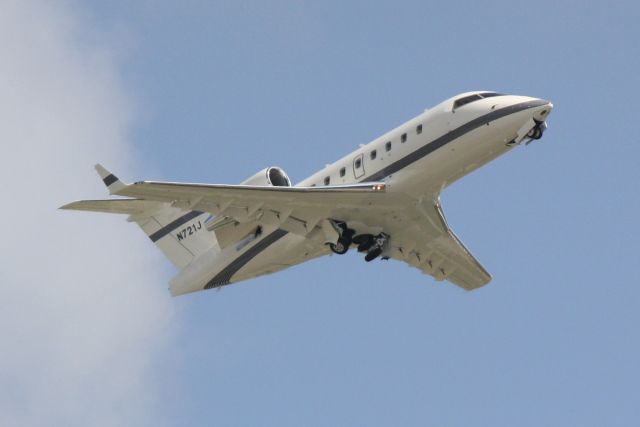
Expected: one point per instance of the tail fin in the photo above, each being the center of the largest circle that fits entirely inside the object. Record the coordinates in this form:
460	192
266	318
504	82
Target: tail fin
180	235
110	180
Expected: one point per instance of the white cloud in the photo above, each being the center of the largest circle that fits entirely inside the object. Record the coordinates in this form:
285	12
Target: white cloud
83	304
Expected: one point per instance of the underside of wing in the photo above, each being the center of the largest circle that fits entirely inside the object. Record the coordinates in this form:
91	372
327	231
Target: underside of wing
446	258
215	198
431	246
238	208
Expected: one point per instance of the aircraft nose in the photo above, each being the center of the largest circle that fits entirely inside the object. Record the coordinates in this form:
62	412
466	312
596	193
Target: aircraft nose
543	110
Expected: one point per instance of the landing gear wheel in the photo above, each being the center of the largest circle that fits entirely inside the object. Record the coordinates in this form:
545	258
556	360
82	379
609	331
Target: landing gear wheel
375	246
538	129
344	240
535	133
361	238
339	248
373	254
364	242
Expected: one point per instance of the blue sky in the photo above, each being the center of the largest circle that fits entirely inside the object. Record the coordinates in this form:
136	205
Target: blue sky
220	90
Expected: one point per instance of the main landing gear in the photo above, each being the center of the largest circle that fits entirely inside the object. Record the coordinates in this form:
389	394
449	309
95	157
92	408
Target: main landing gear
344	241
537	131
373	245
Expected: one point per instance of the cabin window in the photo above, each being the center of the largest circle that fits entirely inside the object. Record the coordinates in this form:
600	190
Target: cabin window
403	138
387	146
327	180
419	129
343	171
358	163
373	154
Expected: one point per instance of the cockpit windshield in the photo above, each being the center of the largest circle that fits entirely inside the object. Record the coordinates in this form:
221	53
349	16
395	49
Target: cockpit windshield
490	94
471	98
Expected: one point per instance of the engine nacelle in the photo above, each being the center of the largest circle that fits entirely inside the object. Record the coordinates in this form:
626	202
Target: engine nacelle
269	177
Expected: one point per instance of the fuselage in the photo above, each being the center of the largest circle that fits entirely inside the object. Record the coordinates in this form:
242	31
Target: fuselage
400	156
418	158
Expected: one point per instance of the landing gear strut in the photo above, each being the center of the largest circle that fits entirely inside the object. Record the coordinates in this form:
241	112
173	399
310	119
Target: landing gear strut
344	241
538	130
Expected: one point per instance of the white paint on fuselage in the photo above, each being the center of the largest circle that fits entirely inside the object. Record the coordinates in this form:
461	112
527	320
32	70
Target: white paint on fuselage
427	176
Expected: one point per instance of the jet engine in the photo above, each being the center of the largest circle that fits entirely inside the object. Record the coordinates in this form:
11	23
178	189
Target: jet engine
269	177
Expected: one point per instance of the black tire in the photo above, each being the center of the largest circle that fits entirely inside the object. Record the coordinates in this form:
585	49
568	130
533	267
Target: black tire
346	240
373	254
360	238
364	242
339	248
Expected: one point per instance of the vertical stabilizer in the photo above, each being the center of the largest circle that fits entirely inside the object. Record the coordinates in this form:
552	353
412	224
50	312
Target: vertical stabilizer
180	234
110	180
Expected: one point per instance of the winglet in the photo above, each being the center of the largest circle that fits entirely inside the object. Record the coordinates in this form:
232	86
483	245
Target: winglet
110	180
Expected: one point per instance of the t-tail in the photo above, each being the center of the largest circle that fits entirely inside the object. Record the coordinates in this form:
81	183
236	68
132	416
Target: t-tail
180	234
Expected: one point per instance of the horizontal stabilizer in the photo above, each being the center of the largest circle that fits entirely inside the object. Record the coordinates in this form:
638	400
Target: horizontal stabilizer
121	206
166	226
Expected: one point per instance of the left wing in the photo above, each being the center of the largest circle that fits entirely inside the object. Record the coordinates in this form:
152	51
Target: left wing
419	232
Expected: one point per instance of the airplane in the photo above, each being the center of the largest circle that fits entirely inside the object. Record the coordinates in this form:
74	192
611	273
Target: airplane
382	200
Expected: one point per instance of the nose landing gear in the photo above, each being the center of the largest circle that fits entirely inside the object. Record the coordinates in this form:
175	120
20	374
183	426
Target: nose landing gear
537	131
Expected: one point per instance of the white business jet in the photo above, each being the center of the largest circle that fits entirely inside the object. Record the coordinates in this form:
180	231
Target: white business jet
382	200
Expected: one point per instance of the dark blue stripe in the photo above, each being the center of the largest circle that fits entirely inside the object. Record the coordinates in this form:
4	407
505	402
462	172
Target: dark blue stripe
173	225
224	277
451	136
109	179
